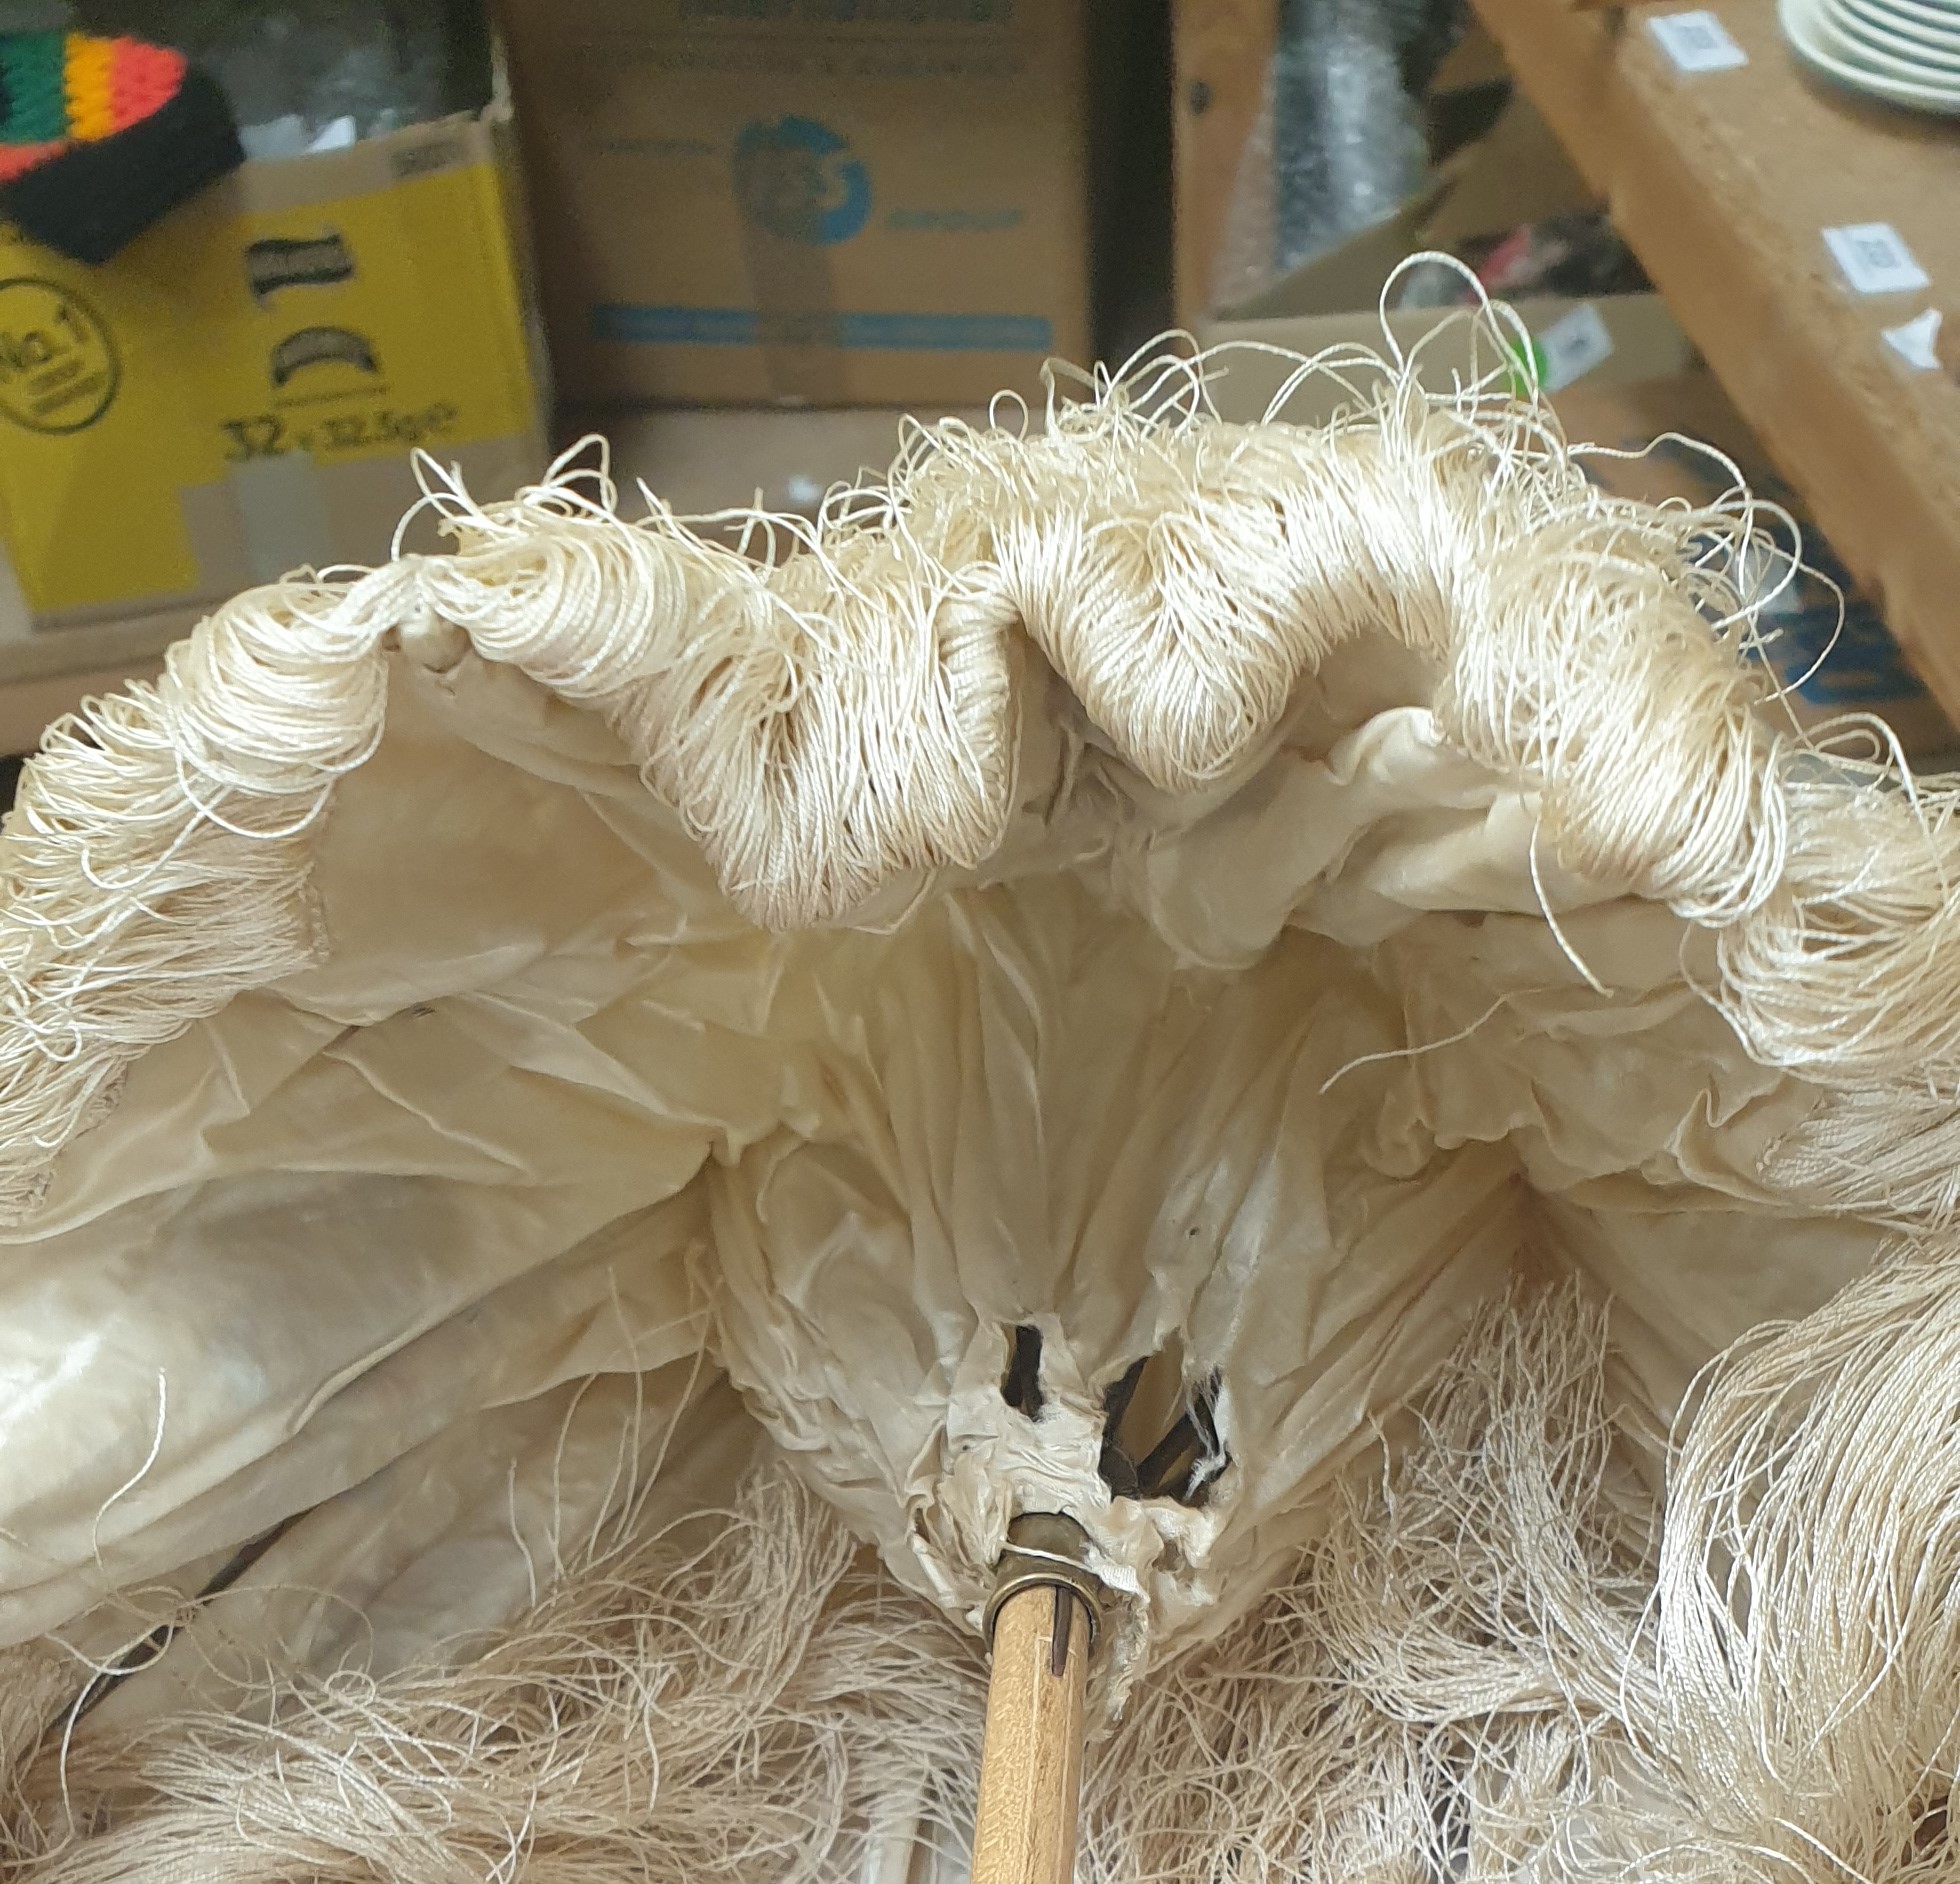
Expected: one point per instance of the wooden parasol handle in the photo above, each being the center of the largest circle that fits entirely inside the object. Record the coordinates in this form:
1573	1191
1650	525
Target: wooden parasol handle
1031	1761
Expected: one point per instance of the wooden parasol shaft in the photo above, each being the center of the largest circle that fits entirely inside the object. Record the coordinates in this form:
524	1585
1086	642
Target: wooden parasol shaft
1031	1762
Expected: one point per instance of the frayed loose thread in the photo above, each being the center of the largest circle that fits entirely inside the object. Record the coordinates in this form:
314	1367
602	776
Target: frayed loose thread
1487	1667
849	717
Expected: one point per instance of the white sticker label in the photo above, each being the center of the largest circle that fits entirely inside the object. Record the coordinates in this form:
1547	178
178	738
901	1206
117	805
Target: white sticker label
1875	259
1697	42
1572	346
1917	341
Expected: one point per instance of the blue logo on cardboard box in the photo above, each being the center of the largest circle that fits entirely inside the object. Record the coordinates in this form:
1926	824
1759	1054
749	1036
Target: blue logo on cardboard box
799	180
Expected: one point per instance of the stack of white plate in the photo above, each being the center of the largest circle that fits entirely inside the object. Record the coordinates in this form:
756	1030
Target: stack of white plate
1907	51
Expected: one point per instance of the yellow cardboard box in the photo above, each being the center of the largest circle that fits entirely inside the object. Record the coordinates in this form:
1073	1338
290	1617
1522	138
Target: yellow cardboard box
238	393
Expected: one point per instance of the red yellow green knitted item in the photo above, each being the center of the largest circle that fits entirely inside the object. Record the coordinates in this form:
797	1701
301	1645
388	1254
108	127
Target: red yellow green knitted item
100	137
75	87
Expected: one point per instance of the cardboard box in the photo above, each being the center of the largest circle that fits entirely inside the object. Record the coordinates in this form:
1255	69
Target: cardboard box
238	393
1512	174
1617	340
741	201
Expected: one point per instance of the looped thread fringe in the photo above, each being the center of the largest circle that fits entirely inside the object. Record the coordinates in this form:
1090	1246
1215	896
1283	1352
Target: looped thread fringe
831	721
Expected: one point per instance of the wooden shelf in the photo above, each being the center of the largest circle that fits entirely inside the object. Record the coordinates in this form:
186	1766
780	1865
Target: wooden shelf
1723	183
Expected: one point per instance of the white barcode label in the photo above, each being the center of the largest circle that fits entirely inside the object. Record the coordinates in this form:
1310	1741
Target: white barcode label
1917	341
1875	259
1697	42
1572	346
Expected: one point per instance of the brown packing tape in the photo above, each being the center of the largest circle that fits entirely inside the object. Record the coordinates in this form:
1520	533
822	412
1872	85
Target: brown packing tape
794	292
